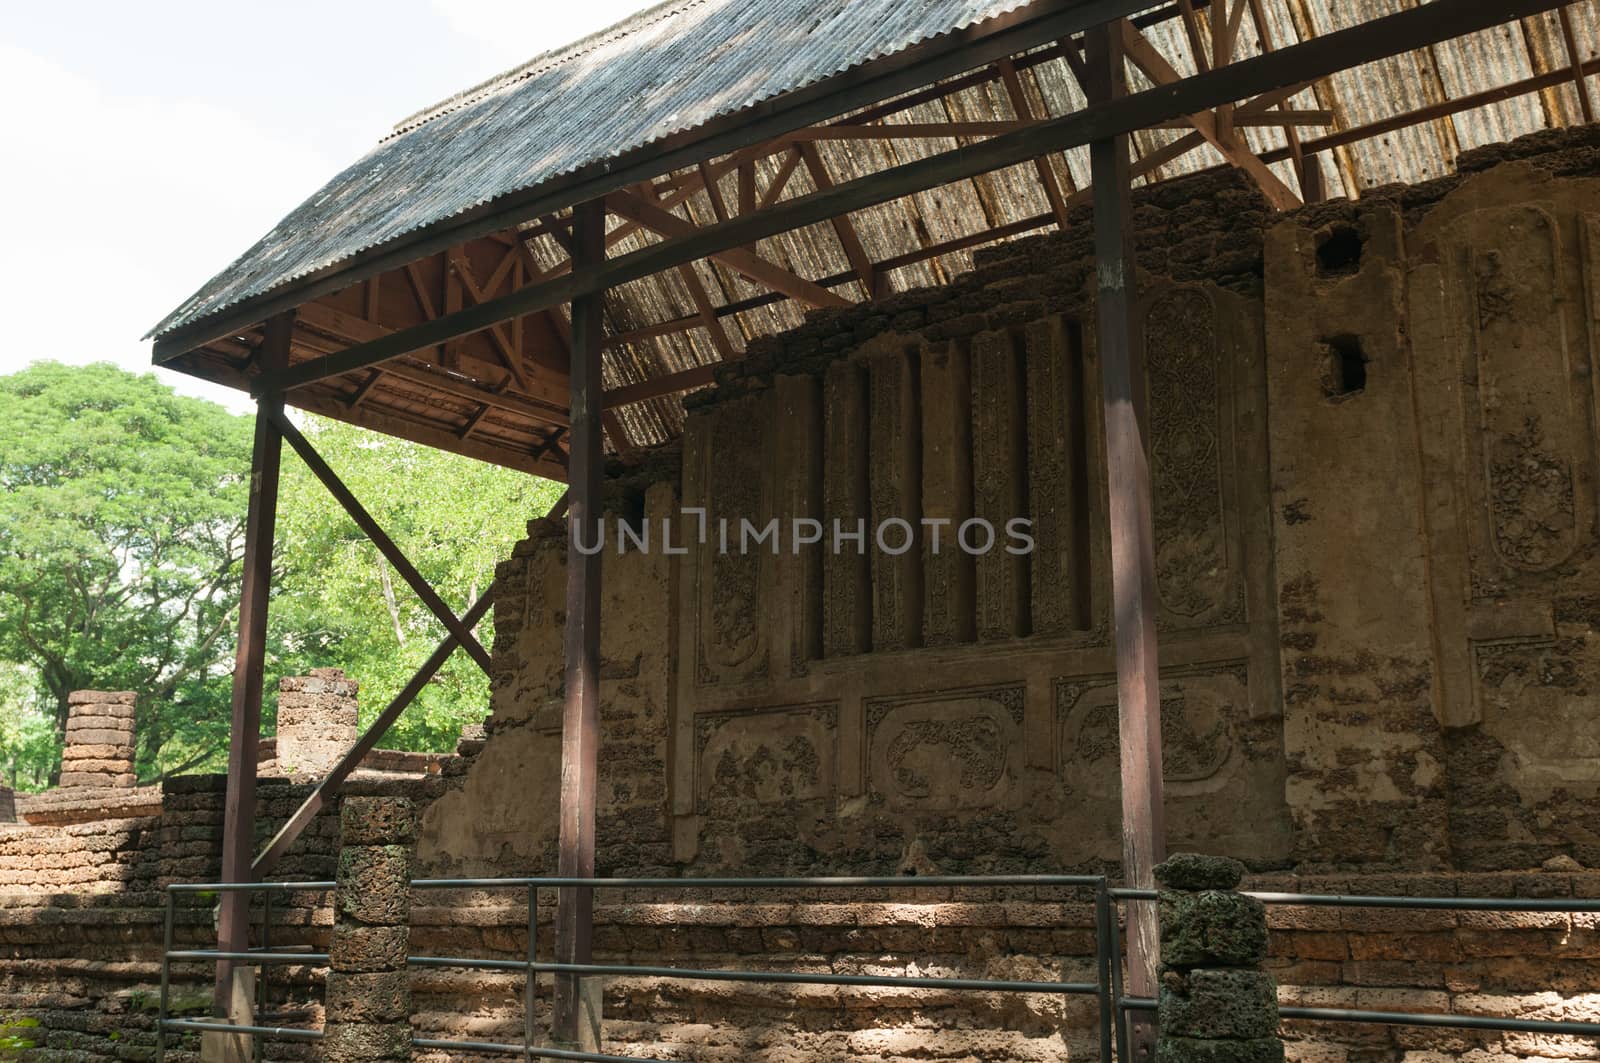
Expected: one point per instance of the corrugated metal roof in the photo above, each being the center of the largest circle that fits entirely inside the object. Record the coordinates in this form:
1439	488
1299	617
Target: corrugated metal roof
626	86
666	70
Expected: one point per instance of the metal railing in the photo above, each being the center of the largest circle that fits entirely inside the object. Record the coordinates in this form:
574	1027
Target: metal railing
1112	1011
1105	988
262	956
1447	1020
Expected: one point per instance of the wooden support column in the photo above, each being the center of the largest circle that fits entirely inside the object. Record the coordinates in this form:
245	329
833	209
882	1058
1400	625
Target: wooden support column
1133	568
580	721
239	815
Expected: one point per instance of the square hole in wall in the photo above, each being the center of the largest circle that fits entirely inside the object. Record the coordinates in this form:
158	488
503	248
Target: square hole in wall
1338	251
1344	367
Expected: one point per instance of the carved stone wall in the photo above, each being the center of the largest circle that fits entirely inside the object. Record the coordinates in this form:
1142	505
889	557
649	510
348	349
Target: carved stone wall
1373	441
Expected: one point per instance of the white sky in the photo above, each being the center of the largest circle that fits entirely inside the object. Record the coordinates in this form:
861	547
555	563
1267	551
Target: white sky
147	144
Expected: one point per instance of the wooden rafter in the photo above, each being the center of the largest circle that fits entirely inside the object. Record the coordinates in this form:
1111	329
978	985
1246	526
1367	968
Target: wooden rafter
758	269
1155	66
1024	111
1569	39
843	228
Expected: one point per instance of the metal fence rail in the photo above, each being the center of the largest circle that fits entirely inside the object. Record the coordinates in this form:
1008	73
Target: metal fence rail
1443	1020
1113	1007
1105	988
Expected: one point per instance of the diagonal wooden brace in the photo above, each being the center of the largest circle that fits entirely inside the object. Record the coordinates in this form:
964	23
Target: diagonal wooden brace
329	786
386	546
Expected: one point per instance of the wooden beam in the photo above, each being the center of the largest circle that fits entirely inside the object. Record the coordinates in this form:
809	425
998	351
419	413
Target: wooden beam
461	270
580	720
1157	69
380	538
670	384
1133	571
544	401
1389	35
325	790
849	240
1569	38
249	662
905	131
1486	98
1024	111
758	269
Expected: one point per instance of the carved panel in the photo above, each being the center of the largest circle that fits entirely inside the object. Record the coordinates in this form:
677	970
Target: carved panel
731	458
999	477
1534	696
1529	428
846	574
766	756
1061	488
946	431
1191	461
896	496
1204	713
945	751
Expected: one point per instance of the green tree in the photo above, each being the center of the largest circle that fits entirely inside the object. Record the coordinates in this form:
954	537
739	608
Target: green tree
339	603
30	749
121	532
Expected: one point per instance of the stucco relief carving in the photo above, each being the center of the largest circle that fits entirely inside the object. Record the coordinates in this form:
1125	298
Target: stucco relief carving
1202	710
945	751
1530	426
1190	460
1534	696
732	454
766	756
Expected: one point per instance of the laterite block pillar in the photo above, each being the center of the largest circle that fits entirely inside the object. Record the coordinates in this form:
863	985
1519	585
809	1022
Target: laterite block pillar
317	721
369	996
99	746
1216	1003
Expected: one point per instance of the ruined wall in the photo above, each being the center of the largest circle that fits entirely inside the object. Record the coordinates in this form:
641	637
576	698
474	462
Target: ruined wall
1373	444
82	881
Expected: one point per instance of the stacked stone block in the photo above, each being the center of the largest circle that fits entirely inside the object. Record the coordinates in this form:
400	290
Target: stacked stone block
317	721
368	994
99	745
1216	1003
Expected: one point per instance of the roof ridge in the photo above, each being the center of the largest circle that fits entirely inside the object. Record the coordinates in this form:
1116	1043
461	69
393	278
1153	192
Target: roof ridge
634	23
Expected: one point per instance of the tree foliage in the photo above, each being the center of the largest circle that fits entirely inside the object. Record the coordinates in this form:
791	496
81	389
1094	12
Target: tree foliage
121	534
339	603
121	530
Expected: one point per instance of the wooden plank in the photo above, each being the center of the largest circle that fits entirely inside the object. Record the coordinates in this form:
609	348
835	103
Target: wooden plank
1133	574
666	223
249	661
380	538
1369	41
325	790
580	720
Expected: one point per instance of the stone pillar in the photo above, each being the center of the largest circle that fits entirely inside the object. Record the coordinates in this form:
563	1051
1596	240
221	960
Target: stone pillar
99	746
369	995
317	721
1216	1003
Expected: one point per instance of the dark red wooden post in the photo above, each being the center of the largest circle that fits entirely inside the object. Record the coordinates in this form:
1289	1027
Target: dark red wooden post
239	816
1133	566
580	721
